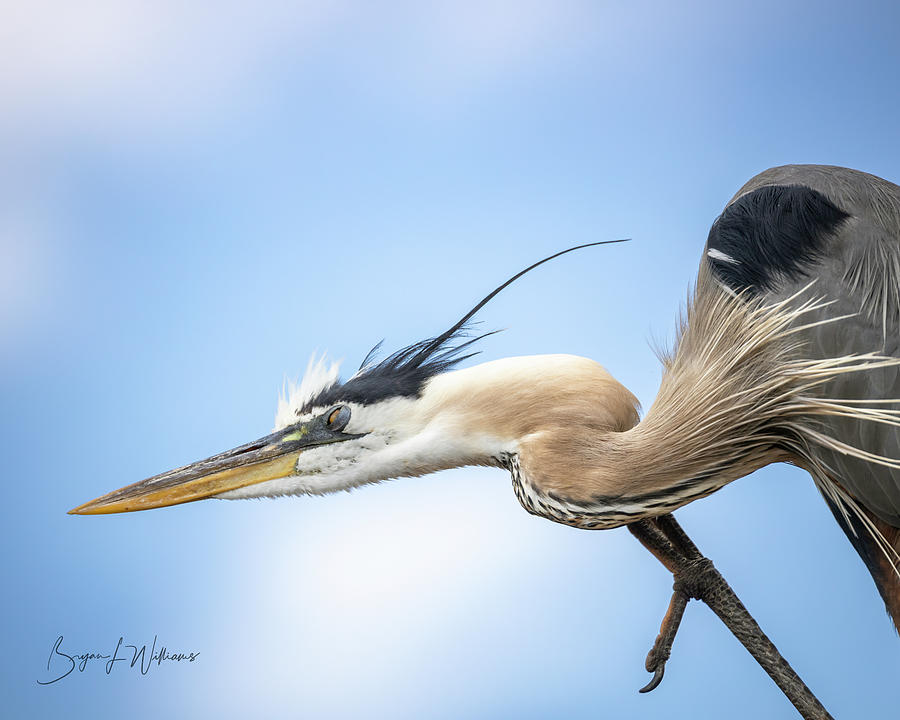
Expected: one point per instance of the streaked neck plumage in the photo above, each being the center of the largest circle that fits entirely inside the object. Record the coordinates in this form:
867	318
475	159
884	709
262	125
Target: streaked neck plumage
738	393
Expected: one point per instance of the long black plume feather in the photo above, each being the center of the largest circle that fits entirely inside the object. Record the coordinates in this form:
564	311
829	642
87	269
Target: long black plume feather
404	372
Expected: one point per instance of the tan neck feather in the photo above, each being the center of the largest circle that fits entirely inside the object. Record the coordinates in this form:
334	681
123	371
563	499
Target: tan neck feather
736	395
518	398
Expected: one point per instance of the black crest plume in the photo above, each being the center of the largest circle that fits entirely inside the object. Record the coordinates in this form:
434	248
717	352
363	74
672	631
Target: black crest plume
404	373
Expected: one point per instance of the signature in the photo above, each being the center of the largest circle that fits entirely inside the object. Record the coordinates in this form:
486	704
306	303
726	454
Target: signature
61	664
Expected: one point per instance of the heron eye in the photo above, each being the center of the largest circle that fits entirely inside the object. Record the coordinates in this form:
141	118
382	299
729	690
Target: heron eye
338	418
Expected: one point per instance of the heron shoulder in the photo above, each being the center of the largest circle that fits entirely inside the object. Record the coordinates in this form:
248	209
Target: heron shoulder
795	223
771	235
857	192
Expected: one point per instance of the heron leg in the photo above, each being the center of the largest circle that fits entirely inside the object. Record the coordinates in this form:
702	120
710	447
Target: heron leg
696	577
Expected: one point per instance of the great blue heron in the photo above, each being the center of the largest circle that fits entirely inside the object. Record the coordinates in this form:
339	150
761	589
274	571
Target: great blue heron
789	351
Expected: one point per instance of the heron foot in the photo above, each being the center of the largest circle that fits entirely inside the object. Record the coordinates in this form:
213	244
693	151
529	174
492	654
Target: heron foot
662	647
689	568
696	577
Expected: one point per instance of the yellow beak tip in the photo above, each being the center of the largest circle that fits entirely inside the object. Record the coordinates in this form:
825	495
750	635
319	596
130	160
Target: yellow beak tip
85	509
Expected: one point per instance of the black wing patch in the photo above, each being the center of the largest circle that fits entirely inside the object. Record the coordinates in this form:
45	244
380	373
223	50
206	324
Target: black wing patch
771	234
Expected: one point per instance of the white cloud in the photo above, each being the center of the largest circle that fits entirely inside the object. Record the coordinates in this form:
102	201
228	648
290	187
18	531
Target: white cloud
137	78
126	64
119	67
368	583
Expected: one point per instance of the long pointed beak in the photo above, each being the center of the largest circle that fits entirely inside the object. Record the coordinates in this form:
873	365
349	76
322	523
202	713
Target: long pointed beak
271	457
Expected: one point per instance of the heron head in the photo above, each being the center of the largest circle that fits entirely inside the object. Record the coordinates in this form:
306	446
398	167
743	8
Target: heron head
409	414
398	420
328	436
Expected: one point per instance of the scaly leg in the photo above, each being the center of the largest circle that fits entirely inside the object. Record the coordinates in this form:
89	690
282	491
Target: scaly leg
696	577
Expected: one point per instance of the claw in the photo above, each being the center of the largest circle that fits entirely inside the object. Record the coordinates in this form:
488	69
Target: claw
655	680
696	577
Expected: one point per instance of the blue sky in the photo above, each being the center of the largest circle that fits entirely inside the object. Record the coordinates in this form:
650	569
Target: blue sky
195	199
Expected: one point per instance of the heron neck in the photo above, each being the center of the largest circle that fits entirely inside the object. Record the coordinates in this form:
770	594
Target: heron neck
727	405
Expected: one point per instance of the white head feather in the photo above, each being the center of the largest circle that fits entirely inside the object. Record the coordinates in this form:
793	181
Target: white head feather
320	374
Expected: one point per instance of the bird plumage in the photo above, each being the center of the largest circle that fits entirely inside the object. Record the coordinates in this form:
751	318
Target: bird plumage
856	267
787	351
537	407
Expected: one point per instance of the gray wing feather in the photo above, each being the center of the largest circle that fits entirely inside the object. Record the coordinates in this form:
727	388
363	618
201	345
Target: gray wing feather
861	274
875	486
